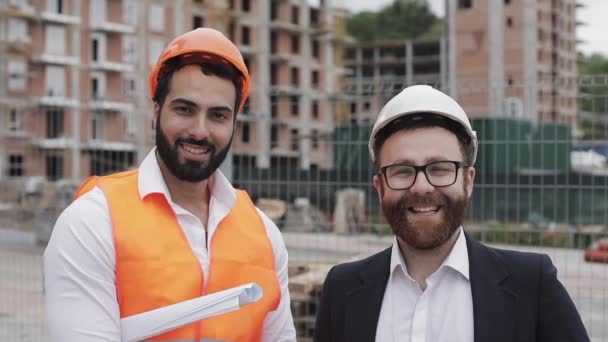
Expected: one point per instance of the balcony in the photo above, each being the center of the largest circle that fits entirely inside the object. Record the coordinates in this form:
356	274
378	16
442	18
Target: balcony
112	66
54	101
116	146
249	117
60	18
53	143
23	45
22	10
55	59
284	89
107	105
110	27
286	26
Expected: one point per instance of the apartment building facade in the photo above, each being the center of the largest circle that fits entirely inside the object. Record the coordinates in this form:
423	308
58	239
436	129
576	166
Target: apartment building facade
73	80
515	58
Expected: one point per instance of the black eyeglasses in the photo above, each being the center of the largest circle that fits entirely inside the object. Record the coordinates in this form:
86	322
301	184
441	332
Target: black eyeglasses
439	174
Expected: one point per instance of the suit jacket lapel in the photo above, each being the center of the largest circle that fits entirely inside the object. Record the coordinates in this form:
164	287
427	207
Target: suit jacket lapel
493	299
364	301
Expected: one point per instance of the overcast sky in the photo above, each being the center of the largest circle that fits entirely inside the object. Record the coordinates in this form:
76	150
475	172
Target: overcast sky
594	14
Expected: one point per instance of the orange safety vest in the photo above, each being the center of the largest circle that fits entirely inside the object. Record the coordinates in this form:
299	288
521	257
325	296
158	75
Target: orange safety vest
156	267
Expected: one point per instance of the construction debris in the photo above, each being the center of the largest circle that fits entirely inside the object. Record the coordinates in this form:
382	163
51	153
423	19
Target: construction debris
305	284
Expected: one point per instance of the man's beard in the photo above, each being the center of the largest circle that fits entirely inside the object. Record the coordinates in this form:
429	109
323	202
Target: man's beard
429	236
188	170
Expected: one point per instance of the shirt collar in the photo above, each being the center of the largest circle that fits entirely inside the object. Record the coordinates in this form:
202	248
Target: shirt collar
151	181
457	259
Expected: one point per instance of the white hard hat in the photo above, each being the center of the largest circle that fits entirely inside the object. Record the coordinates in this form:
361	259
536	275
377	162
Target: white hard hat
420	99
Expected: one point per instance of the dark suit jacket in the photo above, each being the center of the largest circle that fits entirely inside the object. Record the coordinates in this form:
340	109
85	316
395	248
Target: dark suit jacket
516	298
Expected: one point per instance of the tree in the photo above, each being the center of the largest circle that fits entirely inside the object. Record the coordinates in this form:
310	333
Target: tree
403	19
593	87
593	92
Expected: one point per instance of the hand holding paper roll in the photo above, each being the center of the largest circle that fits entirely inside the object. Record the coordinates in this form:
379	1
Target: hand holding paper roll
155	322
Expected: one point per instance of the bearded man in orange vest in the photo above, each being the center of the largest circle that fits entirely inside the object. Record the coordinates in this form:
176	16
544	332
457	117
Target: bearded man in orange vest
175	228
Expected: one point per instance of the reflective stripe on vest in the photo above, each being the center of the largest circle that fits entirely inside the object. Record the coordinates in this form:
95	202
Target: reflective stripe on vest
156	267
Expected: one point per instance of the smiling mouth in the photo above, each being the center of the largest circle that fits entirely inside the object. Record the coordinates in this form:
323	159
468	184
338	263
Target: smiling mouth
194	149
424	210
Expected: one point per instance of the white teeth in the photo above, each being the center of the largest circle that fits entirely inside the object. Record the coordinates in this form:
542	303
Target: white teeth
194	149
425	210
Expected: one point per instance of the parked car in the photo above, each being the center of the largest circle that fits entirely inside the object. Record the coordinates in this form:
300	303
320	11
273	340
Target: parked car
597	252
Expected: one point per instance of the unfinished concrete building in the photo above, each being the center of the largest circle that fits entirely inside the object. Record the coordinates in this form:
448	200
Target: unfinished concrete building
515	58
379	70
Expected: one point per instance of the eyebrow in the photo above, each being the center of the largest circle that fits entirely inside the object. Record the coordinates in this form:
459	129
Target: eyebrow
181	100
426	161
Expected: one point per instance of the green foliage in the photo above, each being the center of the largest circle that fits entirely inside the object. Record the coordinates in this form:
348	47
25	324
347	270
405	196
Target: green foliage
403	19
593	92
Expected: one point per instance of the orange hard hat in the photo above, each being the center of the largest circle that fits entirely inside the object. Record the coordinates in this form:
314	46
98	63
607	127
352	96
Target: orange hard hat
206	41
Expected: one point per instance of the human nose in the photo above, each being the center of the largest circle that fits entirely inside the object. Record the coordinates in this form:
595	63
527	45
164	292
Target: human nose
199	129
421	183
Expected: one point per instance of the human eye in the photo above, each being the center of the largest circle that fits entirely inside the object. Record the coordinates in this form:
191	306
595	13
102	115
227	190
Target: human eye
441	168
183	109
400	171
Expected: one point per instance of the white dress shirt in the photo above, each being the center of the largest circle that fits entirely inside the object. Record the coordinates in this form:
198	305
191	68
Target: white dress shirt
79	261
441	313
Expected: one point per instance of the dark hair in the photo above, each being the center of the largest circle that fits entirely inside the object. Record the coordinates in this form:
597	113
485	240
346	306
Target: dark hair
424	120
210	65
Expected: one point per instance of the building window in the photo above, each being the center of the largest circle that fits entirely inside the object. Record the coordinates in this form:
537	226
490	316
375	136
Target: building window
315	109
315	48
295	77
98	85
55	81
56	37
17	79
295	44
294	140
367	105
197	21
295	14
314	139
17	30
294	104
129	87
156	18
54	123
15	122
245	132
274	42
315	78
246	6
274	136
15	165
96	126
353	107
155	48
274	9
55	6
245	35
274	74
54	167
129	54
509	22
465	4
274	106
314	16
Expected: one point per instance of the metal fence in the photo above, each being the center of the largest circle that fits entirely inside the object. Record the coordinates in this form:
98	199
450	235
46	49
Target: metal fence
540	187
